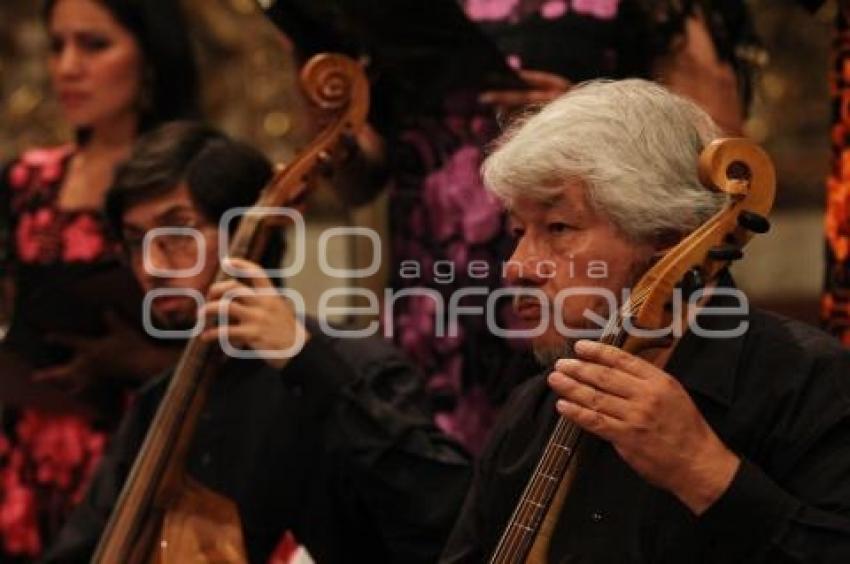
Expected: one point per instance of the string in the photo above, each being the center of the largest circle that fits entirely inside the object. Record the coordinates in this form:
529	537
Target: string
562	448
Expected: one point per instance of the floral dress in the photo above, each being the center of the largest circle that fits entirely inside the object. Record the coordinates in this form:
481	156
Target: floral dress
446	228
46	460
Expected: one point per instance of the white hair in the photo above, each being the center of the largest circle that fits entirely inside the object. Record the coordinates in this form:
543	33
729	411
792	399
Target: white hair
632	144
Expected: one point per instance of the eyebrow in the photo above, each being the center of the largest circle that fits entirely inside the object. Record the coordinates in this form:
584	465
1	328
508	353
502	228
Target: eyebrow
163	218
80	32
553	202
174	211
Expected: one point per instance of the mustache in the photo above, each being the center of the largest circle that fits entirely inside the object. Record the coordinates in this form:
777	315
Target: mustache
523	301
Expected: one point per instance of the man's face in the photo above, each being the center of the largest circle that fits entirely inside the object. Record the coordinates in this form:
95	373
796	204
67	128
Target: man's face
565	245
172	252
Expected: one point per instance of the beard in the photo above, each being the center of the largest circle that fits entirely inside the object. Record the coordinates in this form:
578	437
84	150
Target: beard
179	323
175	320
547	355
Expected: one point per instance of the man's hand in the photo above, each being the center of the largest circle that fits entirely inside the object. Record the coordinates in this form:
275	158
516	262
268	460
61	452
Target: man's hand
543	87
123	352
649	418
257	318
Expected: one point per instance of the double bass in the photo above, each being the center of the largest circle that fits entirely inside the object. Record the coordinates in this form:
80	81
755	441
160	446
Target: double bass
162	514
744	173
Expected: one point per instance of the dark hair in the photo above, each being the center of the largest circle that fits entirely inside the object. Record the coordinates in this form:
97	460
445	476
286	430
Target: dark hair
220	173
171	72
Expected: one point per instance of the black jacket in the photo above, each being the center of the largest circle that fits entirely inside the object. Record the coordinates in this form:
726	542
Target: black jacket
778	396
336	448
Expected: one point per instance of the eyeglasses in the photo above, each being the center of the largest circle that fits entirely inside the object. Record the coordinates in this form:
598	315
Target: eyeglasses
178	243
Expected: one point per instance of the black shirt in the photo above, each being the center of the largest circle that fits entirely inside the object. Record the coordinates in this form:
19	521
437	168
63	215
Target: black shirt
778	396
336	448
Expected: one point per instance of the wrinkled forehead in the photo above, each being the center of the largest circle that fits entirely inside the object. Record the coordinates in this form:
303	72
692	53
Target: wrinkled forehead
569	198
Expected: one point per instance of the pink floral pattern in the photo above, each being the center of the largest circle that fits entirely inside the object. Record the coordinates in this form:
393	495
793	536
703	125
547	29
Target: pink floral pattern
458	202
554	9
40	167
602	9
491	10
49	465
44	233
46	461
82	240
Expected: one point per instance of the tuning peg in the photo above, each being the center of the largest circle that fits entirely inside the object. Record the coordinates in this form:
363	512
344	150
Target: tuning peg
753	222
349	142
692	281
726	252
324	163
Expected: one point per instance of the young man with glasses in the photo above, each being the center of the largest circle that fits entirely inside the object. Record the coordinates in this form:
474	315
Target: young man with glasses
332	444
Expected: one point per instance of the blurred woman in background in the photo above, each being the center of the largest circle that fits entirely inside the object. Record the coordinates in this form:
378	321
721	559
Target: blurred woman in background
118	68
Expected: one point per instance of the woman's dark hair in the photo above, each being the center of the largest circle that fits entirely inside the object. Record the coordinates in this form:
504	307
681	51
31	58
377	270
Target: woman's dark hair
170	72
221	173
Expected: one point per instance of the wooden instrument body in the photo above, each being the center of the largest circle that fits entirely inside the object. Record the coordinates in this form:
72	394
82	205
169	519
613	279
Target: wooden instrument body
198	526
162	514
742	171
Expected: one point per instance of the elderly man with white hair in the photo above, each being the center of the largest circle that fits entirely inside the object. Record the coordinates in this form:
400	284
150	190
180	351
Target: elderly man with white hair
733	449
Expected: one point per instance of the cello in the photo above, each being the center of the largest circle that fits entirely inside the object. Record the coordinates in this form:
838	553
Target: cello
162	514
744	173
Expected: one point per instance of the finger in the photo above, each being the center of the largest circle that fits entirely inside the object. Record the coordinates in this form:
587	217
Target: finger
67	378
542	96
589	397
232	291
613	357
515	98
237	336
510	98
247	296
209	335
545	80
255	274
233	311
248	333
228	332
213	334
601	377
53	374
219	289
594	422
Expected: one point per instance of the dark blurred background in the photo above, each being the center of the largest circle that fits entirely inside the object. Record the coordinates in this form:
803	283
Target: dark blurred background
248	76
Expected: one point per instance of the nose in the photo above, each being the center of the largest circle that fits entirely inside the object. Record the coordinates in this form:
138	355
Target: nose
528	265
68	62
155	258
154	271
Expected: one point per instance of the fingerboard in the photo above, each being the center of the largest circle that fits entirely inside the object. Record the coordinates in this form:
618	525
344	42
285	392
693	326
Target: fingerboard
536	500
